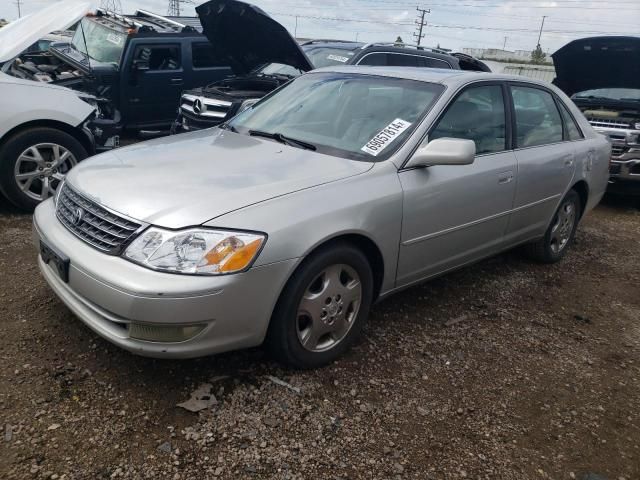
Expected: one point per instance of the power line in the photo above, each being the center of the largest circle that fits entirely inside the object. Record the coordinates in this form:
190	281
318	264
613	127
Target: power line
421	24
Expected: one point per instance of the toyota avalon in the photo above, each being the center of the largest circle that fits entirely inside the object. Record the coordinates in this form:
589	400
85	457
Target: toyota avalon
284	225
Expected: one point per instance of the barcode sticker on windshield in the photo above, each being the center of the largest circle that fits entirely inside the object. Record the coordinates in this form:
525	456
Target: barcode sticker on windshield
338	58
387	135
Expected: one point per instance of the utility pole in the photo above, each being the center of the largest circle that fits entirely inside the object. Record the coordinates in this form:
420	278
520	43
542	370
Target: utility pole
174	7
421	24
19	10
541	27
111	5
295	35
504	45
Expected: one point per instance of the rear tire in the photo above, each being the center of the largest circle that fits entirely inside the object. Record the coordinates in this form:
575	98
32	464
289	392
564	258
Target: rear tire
322	309
34	162
561	232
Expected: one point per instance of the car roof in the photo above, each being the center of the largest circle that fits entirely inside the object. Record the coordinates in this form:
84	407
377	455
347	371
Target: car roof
433	75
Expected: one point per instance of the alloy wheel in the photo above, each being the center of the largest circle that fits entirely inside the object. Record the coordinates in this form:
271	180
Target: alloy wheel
328	308
563	227
41	168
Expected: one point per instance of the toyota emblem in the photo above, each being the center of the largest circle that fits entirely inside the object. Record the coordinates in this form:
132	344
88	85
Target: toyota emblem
197	106
78	215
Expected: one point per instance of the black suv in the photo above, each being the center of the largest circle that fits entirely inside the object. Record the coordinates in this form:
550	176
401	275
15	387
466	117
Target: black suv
268	57
137	64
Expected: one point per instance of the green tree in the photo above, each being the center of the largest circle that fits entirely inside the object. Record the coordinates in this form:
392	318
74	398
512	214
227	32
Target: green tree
399	42
538	56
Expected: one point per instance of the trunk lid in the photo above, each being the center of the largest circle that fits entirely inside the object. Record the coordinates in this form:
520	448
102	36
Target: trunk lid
246	37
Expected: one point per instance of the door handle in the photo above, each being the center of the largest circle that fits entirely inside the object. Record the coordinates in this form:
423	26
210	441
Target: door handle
176	81
568	160
505	177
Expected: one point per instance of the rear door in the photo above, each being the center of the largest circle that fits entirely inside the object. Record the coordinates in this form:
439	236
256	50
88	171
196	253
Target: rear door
546	160
453	215
205	67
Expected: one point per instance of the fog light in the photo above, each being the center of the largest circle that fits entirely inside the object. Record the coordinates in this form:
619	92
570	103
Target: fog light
164	333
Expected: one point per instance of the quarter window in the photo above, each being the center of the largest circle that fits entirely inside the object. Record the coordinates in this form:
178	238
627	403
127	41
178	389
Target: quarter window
477	114
538	121
571	130
159	57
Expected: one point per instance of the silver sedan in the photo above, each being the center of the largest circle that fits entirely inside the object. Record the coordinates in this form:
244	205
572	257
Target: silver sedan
285	224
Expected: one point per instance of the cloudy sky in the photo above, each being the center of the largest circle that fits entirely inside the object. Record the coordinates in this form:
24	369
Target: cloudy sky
452	23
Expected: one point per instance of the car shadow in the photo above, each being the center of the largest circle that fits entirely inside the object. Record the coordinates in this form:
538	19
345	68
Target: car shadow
618	201
8	208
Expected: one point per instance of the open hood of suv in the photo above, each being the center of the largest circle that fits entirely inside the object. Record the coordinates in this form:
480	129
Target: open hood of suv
247	37
20	34
598	62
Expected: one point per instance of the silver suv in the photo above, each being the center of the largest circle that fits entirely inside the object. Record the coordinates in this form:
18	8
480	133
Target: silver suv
285	224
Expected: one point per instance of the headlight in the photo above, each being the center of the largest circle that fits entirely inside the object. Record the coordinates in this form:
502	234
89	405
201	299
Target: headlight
195	251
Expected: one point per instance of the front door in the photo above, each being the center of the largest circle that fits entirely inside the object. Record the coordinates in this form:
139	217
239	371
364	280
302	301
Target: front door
453	215
155	81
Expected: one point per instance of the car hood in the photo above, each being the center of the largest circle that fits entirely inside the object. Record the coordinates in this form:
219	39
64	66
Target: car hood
188	179
21	33
597	62
247	37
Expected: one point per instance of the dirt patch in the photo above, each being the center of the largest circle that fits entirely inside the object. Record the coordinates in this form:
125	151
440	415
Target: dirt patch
506	369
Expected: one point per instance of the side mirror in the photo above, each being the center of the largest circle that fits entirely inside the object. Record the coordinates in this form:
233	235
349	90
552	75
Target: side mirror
140	66
444	151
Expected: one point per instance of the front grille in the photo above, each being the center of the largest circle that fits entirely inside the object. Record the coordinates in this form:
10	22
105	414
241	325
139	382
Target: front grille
95	225
603	123
205	108
617	150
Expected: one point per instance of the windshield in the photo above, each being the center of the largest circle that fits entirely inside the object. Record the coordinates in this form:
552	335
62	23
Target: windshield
362	117
280	69
318	56
626	94
328	57
103	44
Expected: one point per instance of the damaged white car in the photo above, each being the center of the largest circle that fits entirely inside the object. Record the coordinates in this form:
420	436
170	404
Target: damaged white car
45	129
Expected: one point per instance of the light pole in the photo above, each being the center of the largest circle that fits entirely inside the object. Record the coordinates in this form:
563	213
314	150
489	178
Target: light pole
541	27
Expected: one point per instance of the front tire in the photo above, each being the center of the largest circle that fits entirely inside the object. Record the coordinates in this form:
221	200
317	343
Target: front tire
560	234
34	162
323	308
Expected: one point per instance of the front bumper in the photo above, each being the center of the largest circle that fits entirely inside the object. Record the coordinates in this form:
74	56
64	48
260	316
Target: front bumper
110	294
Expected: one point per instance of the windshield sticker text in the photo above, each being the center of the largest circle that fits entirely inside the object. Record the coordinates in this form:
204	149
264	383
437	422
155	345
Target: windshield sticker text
116	39
387	135
338	58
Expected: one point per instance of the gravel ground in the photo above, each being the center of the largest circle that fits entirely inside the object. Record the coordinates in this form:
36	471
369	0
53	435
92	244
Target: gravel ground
504	370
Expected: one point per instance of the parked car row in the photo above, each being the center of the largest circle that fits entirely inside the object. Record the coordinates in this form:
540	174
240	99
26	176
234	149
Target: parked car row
134	70
319	189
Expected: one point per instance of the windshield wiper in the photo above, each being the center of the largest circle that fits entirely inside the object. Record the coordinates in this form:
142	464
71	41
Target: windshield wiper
278	137
231	128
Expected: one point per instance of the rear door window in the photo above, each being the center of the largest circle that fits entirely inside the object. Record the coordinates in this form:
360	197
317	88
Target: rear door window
538	120
202	56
